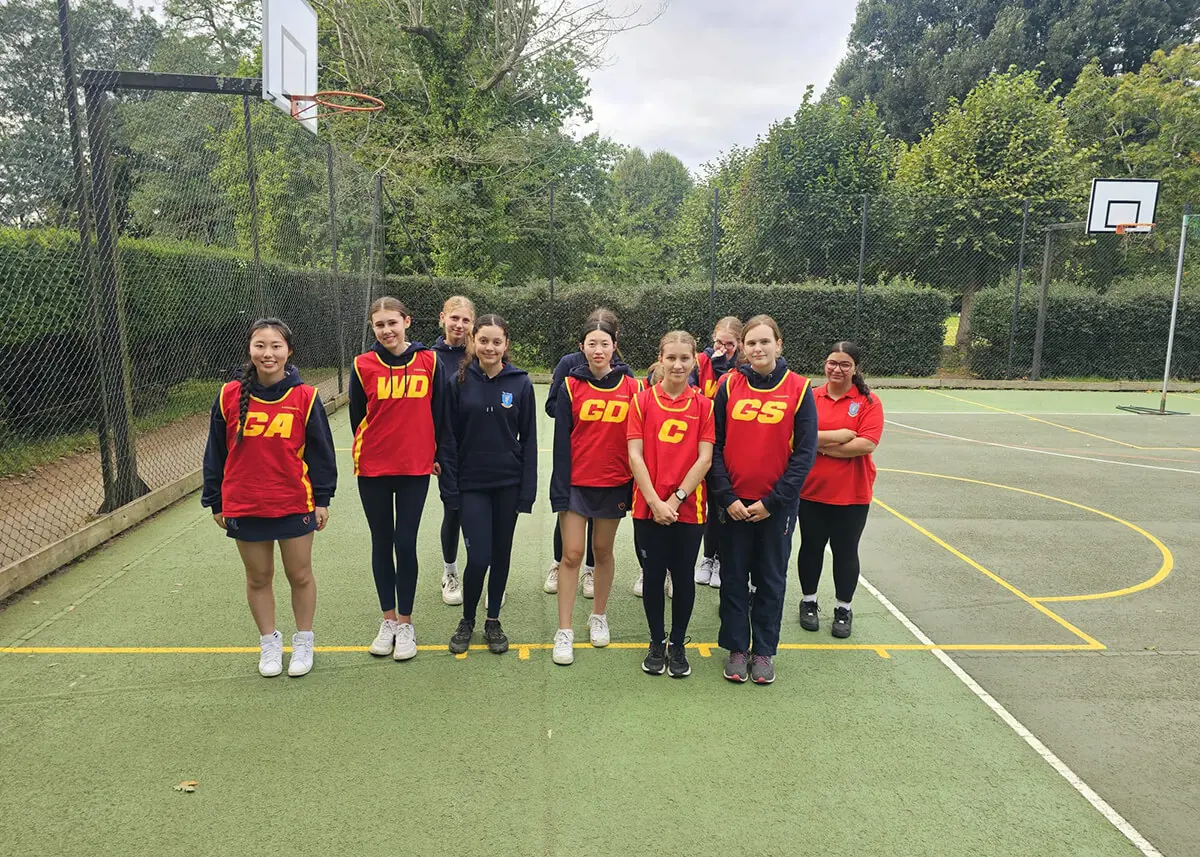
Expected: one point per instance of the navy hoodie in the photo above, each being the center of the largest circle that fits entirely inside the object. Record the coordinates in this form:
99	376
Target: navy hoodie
566	364
720	365
449	357
318	445
495	427
564	422
786	493
440	402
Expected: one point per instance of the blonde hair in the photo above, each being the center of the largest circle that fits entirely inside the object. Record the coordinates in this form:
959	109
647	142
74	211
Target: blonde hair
672	337
455	302
760	320
731	323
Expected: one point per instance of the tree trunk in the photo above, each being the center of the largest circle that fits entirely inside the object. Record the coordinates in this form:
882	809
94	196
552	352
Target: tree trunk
962	340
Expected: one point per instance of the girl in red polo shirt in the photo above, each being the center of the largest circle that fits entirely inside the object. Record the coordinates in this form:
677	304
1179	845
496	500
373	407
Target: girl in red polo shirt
400	413
269	474
671	435
591	476
837	493
766	429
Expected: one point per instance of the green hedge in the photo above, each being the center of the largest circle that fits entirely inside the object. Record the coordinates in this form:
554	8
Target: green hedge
1121	335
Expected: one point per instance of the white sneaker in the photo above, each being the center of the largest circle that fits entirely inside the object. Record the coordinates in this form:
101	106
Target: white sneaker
715	580
451	586
589	582
270	658
598	630
564	647
704	571
406	642
637	585
487	598
669	586
302	654
551	585
385	641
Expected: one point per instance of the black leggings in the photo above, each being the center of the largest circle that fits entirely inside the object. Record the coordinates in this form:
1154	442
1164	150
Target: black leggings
489	519
840	527
712	530
451	522
664	549
394	531
589	560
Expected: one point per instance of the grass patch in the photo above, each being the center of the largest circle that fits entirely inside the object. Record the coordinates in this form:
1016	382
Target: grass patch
951	331
18	456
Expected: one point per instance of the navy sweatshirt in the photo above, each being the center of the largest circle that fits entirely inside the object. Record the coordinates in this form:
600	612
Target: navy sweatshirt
449	357
567	363
440	402
495	427
786	493
318	445
564	422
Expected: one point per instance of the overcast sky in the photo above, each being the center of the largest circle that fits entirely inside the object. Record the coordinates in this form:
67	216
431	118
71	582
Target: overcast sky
709	74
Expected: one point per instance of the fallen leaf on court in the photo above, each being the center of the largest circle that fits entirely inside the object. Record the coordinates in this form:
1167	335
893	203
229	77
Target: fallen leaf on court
187	786
37	602
71	608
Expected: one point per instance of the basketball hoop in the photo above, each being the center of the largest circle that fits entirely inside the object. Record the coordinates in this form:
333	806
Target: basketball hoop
1122	228
359	102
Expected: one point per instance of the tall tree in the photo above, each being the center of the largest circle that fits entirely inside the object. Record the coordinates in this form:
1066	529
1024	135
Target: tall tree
911	56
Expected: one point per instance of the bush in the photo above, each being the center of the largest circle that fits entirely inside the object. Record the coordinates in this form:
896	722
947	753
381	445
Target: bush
1119	335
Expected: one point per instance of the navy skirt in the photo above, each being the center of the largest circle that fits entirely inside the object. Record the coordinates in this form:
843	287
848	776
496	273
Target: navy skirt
271	529
601	503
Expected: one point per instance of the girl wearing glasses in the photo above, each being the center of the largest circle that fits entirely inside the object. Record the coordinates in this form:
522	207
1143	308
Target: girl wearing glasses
837	492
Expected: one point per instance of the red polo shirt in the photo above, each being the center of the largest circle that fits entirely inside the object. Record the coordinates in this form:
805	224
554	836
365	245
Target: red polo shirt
844	481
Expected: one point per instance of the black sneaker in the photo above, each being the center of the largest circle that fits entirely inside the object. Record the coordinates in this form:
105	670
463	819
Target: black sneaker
808	616
656	659
461	641
736	666
843	618
494	636
677	662
762	671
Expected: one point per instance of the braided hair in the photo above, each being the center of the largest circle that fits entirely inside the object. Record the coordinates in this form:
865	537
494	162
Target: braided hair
852	351
248	378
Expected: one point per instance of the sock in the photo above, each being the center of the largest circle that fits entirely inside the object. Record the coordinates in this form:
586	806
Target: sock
845	604
811	598
452	568
588	569
305	635
274	635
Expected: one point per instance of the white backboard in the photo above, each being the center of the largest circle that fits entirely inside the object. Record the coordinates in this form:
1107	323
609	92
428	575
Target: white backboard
1117	201
289	55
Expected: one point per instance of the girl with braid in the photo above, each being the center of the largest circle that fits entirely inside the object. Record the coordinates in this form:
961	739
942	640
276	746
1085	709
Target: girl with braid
269	474
400	406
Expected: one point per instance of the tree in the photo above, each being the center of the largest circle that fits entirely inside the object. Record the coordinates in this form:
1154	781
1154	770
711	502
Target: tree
1006	142
911	56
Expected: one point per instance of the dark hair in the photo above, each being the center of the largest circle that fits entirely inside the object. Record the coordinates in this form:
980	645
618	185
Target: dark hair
602	327
391	304
249	375
486	320
852	351
609	317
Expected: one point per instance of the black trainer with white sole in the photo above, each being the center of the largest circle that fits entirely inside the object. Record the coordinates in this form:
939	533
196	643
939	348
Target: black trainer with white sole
655	662
843	619
809	620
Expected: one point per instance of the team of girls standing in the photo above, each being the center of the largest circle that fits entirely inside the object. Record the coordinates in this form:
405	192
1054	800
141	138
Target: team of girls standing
495	429
400	411
711	364
766	440
670	440
455	320
837	493
591	477
269	474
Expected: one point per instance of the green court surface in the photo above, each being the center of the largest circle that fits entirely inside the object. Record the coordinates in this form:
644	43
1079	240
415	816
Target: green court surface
1044	543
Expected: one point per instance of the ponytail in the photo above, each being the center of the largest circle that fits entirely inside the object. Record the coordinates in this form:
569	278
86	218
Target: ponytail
863	389
655	374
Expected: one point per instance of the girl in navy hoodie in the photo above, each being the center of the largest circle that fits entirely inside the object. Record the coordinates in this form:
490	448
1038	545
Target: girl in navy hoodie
456	319
495	429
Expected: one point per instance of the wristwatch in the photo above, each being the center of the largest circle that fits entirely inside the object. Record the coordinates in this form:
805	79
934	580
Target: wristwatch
681	494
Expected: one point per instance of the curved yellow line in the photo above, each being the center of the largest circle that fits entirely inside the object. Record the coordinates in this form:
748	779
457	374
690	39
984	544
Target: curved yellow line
1168	560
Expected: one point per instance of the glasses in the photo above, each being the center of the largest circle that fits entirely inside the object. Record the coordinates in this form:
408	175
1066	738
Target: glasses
844	365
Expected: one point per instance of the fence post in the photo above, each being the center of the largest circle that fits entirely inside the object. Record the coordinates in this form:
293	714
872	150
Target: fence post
337	285
862	260
371	259
117	388
1183	234
551	240
1012	328
712	280
252	180
87	262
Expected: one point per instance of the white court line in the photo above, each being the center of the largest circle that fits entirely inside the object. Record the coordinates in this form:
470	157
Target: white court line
1114	817
1043	451
1017	414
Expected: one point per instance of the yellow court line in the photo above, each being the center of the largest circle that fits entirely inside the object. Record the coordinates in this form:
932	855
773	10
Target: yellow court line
1040	420
881	649
1168	559
1092	642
